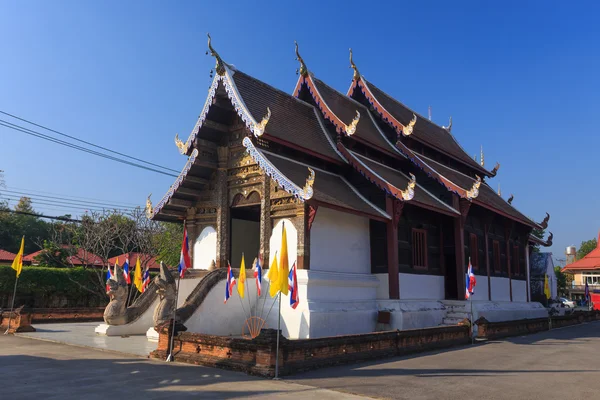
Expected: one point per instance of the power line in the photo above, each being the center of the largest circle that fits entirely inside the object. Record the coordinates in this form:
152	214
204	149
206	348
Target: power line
70	196
63	199
83	141
40	215
66	205
31	132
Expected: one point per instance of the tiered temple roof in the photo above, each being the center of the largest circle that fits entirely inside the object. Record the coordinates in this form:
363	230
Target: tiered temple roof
324	125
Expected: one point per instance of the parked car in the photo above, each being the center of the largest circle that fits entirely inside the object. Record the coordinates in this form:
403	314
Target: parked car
567	303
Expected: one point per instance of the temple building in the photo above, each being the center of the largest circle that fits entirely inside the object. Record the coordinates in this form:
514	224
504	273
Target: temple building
383	208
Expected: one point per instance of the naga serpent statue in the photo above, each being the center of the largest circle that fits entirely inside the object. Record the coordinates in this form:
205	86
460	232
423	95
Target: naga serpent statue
165	287
115	311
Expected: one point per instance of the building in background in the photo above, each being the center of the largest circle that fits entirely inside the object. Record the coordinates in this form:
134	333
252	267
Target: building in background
584	270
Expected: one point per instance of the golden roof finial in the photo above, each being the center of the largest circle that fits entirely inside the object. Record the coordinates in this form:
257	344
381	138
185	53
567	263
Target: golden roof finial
481	161
183	147
149	208
350	129
499	191
303	70
259	128
449	127
220	65
354	67
495	170
307	190
474	191
409	193
408	129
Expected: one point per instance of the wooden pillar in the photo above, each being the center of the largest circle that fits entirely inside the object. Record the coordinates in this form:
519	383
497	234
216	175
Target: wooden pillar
486	247
507	234
394	208
301	224
223	234
527	271
266	225
463	205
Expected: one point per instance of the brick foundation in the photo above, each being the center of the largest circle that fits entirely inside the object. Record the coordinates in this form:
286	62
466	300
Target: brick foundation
55	315
19	321
257	356
496	330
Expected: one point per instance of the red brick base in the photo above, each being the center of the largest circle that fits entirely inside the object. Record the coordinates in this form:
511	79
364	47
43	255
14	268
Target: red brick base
52	315
257	356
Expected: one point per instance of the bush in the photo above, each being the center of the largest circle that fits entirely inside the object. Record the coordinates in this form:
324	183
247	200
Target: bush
43	287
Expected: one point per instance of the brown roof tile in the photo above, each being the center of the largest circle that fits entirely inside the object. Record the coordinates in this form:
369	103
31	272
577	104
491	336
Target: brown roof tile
425	131
292	120
328	187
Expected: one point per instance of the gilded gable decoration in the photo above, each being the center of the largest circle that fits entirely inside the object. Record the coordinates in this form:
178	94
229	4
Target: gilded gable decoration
474	191
351	129
183	147
149	209
259	128
409	193
284	182
449	127
302	70
408	129
353	66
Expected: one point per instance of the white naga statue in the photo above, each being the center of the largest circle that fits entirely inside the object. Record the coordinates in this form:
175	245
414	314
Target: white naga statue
115	311
165	287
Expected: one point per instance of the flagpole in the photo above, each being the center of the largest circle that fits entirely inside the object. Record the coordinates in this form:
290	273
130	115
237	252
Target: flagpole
278	334
472	322
12	305
170	356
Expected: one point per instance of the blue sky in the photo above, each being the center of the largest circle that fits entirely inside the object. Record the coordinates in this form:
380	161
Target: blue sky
519	78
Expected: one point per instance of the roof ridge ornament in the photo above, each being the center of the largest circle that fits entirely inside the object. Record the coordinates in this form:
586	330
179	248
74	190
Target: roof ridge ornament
302	70
183	147
549	240
499	191
220	65
511	198
259	128
474	191
149	208
409	193
449	127
351	129
544	223
307	190
495	170
354	67
482	161
407	130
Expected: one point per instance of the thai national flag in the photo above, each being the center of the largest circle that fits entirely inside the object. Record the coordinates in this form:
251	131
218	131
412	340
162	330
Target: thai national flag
293	287
587	291
145	280
126	271
230	283
184	261
258	275
108	276
470	282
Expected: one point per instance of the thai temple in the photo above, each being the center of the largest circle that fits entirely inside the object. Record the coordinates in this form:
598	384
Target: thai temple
383	210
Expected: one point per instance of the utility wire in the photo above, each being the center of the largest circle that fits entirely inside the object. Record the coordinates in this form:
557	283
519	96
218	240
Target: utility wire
40	215
76	147
63	196
65	205
62	199
83	141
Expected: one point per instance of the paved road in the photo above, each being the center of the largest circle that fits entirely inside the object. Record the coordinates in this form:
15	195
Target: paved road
560	364
34	369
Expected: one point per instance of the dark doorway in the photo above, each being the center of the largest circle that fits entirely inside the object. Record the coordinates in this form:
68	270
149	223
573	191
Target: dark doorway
451	286
245	234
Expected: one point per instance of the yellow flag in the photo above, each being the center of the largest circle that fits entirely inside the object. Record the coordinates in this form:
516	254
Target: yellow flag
137	275
546	287
241	282
284	266
17	264
273	276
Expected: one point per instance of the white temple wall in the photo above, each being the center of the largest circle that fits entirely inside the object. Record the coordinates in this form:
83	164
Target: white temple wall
519	290
340	242
500	289
481	288
205	248
383	291
419	286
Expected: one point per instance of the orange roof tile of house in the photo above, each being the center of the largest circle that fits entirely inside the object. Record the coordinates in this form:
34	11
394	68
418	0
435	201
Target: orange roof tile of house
145	260
80	258
590	262
7	255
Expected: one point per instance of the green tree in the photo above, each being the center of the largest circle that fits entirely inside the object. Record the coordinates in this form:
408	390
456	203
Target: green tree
563	280
53	255
585	247
538	233
168	240
13	226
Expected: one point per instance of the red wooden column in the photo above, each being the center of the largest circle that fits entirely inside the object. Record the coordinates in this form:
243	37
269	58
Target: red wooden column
394	209
487	259
463	205
507	231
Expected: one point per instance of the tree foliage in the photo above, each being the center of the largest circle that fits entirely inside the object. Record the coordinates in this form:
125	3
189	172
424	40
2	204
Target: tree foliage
538	233
585	247
14	226
563	280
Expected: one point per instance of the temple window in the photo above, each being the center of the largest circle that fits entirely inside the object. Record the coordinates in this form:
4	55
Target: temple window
419	248
496	255
474	251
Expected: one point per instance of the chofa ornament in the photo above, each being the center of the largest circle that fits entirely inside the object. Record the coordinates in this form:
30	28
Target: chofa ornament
408	129
259	128
409	193
356	75
183	147
474	191
351	129
149	209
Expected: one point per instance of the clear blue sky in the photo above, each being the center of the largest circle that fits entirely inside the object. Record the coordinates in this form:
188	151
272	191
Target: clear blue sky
518	77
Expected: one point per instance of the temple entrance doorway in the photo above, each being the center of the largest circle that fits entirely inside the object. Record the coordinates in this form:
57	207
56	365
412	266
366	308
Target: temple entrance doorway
245	229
